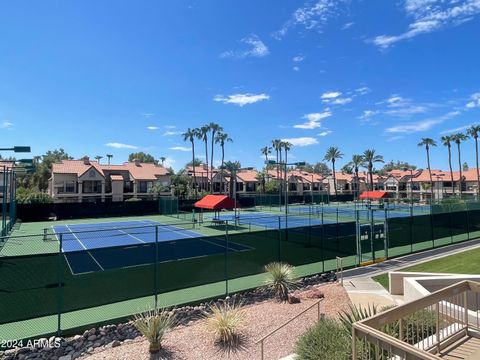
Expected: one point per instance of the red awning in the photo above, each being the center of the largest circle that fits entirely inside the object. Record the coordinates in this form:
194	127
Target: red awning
215	202
374	195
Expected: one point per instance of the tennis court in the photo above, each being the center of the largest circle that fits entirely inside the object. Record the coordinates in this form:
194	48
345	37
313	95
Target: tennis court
112	245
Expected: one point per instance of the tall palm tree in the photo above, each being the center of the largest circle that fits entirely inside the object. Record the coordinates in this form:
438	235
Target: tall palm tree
203	135
191	135
370	157
98	158
162	159
286	147
447	141
458	138
428	143
221	138
473	131
232	167
267	150
261	178
109	157
214	128
355	163
333	153
276	147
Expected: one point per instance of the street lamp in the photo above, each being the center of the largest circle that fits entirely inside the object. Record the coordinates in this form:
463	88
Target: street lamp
17	149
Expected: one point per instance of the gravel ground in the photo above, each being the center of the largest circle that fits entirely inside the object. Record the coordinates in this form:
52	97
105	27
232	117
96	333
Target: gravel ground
194	342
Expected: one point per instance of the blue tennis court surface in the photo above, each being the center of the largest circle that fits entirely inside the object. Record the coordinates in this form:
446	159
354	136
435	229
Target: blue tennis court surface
104	246
272	221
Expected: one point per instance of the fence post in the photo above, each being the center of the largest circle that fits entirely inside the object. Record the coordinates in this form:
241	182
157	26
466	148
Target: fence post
155	270
468	222
59	276
279	239
226	258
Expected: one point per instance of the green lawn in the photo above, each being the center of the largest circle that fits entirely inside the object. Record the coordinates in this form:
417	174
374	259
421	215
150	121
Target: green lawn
467	262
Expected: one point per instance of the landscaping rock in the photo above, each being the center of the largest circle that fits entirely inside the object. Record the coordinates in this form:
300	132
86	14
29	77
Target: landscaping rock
292	299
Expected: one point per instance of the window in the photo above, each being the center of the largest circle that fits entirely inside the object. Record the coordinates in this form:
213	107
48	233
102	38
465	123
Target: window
92	173
92	187
70	186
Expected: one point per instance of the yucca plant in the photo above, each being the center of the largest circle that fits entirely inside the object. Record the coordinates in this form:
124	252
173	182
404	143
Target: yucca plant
154	324
356	313
280	278
224	322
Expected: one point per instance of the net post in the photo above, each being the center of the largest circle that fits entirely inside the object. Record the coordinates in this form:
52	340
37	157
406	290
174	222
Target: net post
155	270
45	234
59	278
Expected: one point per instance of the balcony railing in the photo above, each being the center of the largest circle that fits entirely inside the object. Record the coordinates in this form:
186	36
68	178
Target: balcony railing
444	324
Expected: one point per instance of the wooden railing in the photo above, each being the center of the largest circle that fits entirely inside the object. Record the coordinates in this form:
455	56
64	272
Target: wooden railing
420	329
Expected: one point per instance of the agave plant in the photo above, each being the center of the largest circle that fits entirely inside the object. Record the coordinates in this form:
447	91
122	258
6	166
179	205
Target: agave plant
224	321
356	313
154	324
280	278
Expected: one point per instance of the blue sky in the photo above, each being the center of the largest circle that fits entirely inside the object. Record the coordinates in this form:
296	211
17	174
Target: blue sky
98	77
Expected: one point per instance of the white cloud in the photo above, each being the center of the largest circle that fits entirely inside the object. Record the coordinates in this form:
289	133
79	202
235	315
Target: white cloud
474	101
347	26
152	127
395	138
6	125
368	114
169	162
340	101
170	126
422	125
325	133
296	68
302	141
180	148
298	58
330	95
363	90
395	100
429	16
257	48
241	99
457	129
117	145
170	133
400	106
147	115
313	120
311	16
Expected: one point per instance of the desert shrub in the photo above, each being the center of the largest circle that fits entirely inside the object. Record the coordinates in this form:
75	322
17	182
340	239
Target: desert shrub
154	324
280	279
224	322
326	340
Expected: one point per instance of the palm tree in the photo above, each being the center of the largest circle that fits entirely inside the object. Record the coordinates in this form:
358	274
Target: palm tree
370	157
221	138
276	147
447	141
287	147
203	135
267	150
261	178
473	132
355	163
109	156
332	155
98	158
458	138
190	135
232	167
162	159
428	143
214	128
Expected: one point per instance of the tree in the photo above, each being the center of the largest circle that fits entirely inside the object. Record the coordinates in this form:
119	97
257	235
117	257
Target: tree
43	170
232	167
221	138
321	168
398	165
347	168
447	141
98	158
214	128
142	157
109	157
428	143
267	150
276	147
465	166
473	131
261	177
286	147
332	155
180	182
197	162
190	135
370	157
203	136
31	196
355	163
458	138
162	159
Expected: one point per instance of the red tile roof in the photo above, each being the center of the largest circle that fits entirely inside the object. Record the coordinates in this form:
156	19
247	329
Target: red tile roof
248	175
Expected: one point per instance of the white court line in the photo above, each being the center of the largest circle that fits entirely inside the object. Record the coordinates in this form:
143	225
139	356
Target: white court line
175	231
66	259
126	233
76	237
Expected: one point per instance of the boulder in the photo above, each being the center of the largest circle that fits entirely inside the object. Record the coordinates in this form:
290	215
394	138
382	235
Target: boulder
292	299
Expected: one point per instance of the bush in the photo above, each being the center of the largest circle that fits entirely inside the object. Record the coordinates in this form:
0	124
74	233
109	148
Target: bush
326	340
224	322
280	278
28	196
154	324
